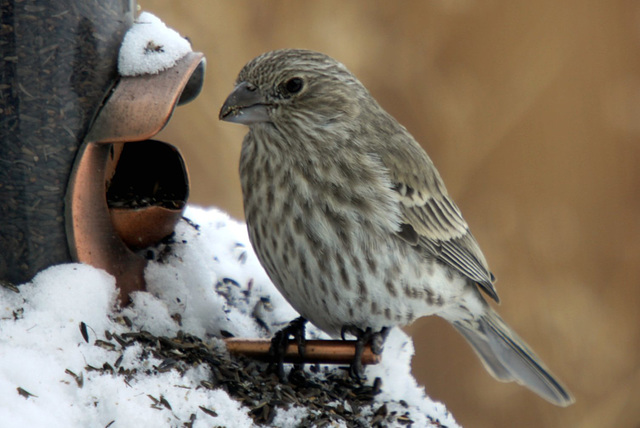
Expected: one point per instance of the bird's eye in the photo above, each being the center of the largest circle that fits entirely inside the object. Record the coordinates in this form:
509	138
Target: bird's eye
294	85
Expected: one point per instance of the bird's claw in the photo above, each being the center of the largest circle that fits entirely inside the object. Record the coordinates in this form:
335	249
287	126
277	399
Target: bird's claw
280	343
378	339
363	338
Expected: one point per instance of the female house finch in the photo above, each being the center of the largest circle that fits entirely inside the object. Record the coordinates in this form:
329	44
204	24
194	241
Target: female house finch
351	220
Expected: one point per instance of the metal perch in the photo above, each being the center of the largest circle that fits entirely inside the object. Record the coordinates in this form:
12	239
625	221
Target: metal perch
316	351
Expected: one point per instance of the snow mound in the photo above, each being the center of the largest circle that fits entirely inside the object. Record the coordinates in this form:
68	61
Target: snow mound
150	47
69	357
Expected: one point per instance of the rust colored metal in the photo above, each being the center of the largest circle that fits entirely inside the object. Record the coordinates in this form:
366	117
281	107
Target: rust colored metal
316	351
140	106
91	235
137	109
141	228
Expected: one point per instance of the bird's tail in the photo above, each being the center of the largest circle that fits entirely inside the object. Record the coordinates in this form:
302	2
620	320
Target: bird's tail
508	358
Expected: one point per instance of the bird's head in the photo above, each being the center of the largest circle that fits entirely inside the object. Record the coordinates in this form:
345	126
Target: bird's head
294	88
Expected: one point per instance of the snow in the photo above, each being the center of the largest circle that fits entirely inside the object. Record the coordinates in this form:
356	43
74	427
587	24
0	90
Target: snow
206	281
150	47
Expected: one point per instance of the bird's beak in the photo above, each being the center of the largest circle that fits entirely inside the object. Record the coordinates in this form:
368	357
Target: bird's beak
245	105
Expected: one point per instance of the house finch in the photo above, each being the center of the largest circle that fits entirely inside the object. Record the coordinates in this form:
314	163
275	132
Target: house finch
351	220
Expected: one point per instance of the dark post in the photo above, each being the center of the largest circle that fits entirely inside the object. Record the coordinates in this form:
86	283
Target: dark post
58	63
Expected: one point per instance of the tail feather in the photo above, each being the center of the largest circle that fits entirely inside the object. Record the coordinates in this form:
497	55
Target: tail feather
508	358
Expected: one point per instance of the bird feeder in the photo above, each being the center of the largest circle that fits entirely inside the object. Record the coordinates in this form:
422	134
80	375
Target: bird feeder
127	192
80	179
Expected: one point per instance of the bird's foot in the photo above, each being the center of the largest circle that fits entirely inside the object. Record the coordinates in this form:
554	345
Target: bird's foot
363	338
280	343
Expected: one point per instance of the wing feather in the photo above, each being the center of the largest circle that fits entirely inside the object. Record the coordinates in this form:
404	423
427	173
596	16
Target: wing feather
427	209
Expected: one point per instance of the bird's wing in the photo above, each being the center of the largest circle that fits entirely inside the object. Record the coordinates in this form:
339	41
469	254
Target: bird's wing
431	221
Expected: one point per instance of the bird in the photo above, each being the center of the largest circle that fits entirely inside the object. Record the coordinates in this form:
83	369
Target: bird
353	223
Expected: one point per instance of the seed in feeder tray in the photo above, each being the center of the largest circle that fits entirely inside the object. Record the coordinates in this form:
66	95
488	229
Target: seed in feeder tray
105	345
208	411
78	378
25	393
84	332
152	47
9	286
119	361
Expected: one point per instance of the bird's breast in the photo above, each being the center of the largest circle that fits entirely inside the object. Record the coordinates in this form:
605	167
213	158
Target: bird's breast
325	235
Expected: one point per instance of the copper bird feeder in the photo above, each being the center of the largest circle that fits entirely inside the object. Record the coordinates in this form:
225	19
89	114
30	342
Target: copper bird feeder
126	191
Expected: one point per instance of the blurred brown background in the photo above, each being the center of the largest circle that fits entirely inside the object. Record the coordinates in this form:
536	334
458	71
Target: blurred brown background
531	111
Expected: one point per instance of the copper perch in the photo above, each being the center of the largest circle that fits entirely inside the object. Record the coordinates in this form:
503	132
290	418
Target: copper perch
316	351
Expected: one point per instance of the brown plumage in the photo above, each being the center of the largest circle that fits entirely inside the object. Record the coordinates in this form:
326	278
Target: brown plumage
352	221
